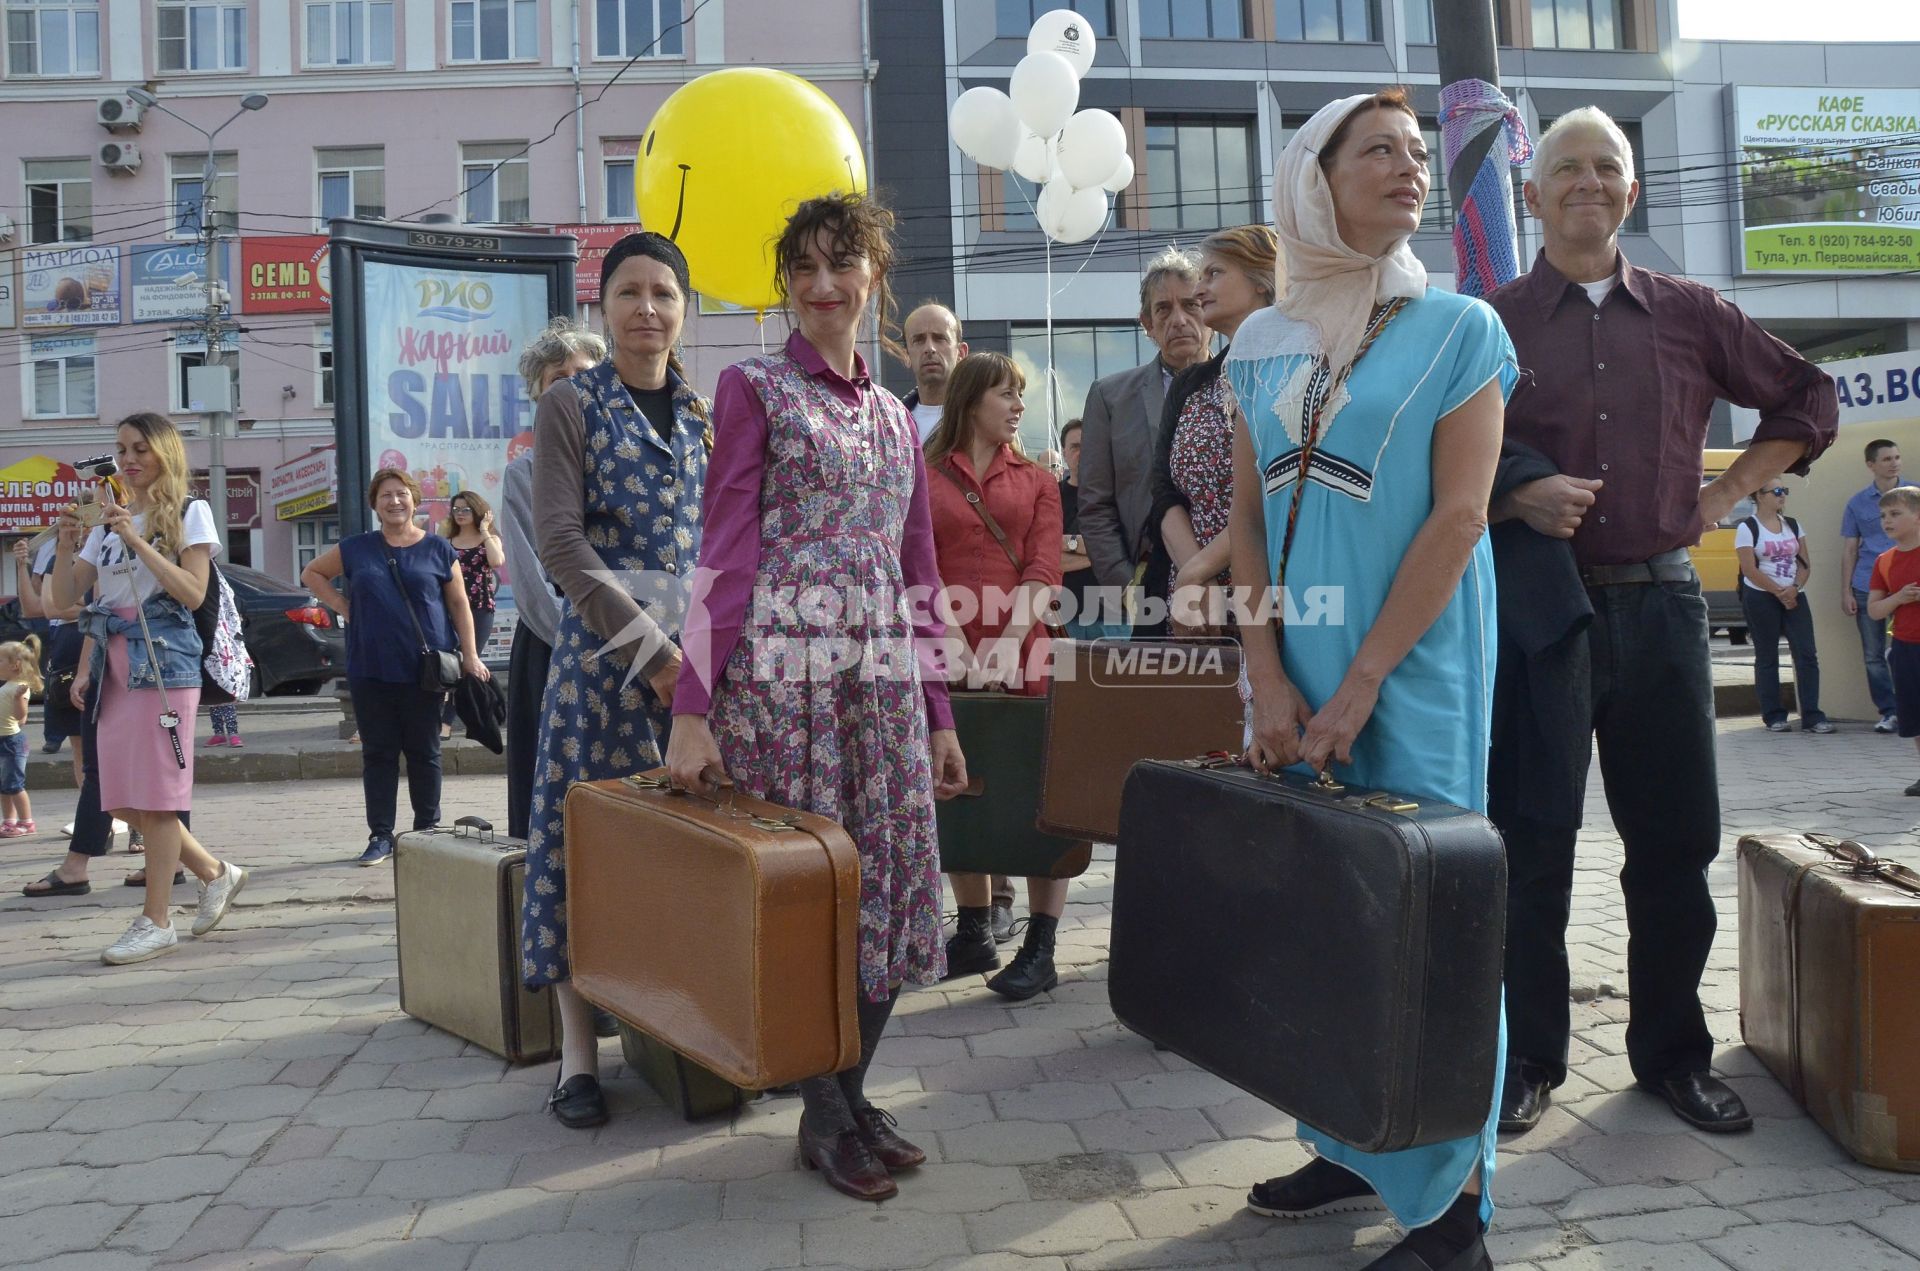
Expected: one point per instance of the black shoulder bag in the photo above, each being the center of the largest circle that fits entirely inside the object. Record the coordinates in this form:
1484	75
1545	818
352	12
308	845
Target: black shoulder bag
439	670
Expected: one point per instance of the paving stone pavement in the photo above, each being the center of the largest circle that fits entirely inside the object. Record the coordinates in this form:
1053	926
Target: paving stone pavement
257	1100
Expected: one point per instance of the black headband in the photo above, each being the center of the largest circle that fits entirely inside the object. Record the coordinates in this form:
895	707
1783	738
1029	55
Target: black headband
646	243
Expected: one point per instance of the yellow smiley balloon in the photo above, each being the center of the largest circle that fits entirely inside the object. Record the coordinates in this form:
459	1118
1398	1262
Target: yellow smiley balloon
726	160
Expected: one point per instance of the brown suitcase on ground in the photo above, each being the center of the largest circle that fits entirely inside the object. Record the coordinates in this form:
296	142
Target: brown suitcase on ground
725	928
1121	701
1829	960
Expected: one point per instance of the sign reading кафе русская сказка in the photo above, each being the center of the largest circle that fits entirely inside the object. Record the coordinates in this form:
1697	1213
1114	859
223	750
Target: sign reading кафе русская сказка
1829	179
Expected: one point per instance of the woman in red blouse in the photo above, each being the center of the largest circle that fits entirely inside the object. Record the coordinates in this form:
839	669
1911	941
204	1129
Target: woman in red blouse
998	588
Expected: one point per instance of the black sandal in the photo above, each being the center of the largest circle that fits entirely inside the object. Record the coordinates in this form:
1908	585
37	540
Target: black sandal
56	886
179	879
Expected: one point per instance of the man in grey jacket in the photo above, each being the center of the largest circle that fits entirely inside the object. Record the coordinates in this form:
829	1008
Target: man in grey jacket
1122	424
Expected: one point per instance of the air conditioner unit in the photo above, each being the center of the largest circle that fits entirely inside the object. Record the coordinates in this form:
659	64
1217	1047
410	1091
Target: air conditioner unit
121	156
118	114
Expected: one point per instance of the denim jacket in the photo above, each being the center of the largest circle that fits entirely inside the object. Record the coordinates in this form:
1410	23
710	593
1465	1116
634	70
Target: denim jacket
174	636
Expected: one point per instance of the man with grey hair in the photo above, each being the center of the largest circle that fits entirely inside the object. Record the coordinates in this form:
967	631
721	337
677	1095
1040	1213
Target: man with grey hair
1622	369
1121	428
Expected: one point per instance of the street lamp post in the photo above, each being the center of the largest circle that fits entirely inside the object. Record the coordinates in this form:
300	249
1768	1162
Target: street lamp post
214	325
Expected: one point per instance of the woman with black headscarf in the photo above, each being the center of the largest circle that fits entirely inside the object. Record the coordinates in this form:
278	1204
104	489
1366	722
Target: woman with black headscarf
617	478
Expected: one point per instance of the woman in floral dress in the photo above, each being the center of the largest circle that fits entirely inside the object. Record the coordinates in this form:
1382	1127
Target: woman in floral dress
617	476
804	682
1193	468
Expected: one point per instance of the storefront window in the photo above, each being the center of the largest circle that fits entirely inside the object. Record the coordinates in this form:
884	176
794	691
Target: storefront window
311	537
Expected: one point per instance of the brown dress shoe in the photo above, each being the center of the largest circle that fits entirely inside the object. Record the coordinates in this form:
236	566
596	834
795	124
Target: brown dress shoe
847	1163
877	1132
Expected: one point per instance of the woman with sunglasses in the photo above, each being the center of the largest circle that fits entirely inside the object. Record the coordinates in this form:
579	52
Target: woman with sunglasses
1773	574
480	551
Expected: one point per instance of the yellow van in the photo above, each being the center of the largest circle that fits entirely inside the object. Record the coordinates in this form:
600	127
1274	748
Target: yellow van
1715	559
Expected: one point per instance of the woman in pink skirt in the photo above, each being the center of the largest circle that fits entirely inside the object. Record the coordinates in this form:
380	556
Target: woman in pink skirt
147	561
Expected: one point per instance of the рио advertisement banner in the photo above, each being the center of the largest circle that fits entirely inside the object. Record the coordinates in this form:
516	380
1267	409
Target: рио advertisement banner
1829	179
445	401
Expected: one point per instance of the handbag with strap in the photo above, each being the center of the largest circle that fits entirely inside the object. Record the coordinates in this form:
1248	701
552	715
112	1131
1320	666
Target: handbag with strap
439	669
979	505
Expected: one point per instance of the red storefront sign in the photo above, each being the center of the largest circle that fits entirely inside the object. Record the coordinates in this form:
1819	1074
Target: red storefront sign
595	240
34	491
243	497
285	275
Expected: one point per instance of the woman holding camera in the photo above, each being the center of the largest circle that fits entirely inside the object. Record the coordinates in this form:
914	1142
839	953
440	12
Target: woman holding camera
401	581
148	562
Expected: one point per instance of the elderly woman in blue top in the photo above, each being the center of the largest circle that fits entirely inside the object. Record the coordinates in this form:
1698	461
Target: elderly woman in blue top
618	477
1385	398
398	577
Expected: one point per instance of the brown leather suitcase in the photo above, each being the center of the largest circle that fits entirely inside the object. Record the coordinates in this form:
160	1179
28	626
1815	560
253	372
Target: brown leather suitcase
725	928
1829	957
456	900
1116	702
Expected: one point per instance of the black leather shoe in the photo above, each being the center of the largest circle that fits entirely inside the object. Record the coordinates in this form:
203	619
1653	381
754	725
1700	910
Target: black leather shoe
578	1104
1524	1095
1032	971
970	948
1704	1102
1401	1258
604	1024
1316	1188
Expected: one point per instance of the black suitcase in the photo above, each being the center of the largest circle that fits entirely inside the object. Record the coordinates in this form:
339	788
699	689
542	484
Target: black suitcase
1332	950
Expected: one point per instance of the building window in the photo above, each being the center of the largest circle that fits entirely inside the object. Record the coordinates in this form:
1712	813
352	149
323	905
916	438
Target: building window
1192	19
350	33
637	28
618	174
311	538
1015	17
197	36
60	379
353	182
53	37
1017	208
323	391
59	201
1081	355
189	191
495	179
1419	17
1331	21
1199	174
1577	24
495	30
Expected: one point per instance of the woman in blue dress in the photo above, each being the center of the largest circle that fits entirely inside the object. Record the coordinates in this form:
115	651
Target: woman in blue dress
618	475
1389	396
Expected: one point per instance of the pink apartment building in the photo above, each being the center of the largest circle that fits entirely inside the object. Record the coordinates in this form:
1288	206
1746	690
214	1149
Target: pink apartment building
384	108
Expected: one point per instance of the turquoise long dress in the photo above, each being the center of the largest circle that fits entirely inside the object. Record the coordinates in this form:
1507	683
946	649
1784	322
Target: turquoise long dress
1370	490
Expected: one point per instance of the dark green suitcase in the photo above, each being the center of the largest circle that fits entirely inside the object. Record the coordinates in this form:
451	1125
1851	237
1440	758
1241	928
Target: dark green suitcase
990	828
693	1091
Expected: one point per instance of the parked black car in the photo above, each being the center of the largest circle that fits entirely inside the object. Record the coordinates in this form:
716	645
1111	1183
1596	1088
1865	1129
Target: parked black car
296	643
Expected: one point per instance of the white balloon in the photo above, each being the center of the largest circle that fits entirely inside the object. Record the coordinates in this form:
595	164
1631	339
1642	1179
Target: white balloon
1068	215
1045	91
1033	159
986	127
1122	176
1064	32
1091	147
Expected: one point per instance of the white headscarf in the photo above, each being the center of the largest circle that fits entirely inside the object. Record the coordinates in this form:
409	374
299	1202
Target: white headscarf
1329	284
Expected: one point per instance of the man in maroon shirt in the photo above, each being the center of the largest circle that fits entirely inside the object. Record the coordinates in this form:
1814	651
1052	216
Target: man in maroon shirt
1620	370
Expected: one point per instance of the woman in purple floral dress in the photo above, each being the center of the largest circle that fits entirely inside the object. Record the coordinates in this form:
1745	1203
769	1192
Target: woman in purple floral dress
803	679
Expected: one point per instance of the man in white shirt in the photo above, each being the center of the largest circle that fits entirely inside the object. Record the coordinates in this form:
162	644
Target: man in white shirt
934	348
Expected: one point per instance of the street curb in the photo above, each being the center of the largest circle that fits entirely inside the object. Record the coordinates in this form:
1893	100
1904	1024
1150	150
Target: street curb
50	772
1730	701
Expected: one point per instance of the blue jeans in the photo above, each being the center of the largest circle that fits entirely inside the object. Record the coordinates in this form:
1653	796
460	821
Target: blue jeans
13	764
1873	644
1767	621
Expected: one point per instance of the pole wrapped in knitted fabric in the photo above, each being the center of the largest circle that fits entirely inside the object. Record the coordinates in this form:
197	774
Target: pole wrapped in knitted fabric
1483	229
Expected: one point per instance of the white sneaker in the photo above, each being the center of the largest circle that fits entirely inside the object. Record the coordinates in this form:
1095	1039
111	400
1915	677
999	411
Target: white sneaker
142	941
216	896
1887	724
